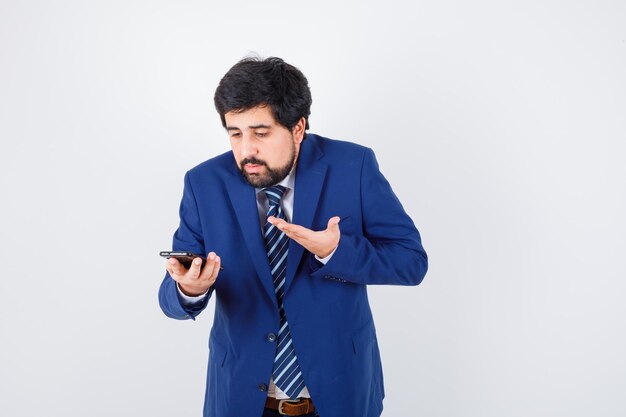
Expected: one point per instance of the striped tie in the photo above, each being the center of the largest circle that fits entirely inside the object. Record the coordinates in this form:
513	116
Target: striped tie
287	374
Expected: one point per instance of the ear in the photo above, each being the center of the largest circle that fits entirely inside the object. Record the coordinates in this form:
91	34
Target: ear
298	131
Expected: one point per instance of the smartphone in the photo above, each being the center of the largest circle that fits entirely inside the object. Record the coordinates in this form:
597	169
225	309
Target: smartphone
185	258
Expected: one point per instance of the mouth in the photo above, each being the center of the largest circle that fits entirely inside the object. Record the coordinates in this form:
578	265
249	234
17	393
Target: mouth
253	168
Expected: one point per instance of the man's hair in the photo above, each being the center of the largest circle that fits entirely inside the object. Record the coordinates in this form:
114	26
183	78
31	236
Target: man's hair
254	81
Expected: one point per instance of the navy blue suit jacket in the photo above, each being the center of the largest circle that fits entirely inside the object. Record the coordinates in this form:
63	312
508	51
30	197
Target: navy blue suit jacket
326	305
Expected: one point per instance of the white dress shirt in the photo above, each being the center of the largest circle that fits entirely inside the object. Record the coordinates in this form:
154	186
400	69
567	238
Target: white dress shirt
262	204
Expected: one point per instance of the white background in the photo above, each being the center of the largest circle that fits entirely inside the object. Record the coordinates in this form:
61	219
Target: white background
500	126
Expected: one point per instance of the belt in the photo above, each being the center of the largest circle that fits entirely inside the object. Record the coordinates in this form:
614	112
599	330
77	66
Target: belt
291	407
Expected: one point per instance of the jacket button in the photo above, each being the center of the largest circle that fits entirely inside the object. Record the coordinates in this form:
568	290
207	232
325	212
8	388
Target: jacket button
263	387
271	337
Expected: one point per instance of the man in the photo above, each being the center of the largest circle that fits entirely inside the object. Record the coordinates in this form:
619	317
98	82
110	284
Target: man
301	224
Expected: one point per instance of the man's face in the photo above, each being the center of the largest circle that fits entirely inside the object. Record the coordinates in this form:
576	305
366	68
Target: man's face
264	150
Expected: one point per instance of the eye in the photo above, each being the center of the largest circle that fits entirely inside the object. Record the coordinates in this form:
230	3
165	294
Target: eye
261	134
235	134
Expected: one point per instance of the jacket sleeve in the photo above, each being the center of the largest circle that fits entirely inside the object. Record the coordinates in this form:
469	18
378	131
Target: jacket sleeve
188	237
390	250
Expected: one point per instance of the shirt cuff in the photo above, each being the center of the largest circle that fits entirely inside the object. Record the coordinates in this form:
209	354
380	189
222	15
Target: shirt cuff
327	258
188	300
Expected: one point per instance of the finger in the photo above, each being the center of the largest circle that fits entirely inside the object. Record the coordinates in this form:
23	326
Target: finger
276	221
281	224
174	267
207	271
194	269
170	271
216	270
333	223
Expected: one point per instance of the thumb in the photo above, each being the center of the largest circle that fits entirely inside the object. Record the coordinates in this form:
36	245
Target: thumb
333	223
194	269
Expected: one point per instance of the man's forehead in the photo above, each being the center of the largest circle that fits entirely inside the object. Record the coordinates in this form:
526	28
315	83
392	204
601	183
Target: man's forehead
255	118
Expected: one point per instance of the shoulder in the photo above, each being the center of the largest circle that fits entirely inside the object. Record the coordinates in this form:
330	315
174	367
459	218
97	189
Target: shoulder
335	144
338	149
218	166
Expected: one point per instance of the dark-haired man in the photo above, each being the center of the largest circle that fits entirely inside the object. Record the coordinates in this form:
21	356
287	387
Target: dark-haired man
302	225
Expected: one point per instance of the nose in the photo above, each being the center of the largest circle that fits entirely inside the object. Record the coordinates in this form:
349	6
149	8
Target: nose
248	146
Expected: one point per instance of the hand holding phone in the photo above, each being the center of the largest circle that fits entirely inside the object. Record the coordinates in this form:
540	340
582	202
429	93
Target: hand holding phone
185	258
193	273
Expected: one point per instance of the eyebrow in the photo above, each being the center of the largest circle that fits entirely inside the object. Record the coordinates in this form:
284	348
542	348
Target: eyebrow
259	126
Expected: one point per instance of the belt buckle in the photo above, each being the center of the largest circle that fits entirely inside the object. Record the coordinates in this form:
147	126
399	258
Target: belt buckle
281	402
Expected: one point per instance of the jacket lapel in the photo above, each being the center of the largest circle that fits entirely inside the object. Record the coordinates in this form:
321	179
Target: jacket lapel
310	174
243	197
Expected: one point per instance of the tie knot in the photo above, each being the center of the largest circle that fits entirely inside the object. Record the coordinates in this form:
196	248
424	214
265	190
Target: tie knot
274	194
